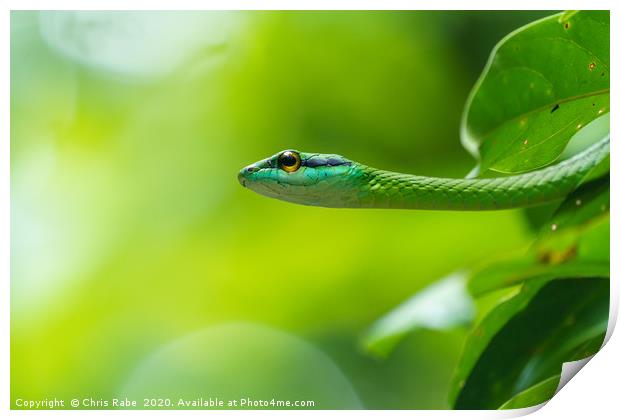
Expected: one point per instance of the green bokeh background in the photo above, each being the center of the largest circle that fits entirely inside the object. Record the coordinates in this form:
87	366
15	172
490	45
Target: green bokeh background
136	251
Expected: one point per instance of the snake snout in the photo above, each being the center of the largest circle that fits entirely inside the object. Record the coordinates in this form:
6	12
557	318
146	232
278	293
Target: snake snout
243	174
241	179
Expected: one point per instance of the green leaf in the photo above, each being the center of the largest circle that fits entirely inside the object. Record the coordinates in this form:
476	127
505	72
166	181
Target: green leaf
537	394
589	347
586	205
485	330
510	273
574	243
578	254
545	86
592	133
442	305
579	230
526	339
596	131
542	84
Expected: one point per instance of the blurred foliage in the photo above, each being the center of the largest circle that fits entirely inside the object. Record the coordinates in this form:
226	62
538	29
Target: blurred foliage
186	366
549	304
422	311
133	247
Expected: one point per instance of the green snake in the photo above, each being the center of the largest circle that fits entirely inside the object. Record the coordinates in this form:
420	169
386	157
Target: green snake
329	180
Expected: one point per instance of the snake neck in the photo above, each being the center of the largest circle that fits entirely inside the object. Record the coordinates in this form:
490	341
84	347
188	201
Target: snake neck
374	188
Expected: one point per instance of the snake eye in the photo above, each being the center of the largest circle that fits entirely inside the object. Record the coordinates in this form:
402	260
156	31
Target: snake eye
289	161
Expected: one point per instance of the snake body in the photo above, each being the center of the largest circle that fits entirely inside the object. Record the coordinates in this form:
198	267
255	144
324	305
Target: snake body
333	181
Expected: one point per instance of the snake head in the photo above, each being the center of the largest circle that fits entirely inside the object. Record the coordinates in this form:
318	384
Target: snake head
298	177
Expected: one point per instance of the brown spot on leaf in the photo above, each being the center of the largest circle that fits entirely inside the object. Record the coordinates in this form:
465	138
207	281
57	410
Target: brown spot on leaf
553	257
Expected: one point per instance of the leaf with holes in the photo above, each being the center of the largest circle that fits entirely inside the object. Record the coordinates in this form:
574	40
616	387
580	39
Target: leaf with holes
542	84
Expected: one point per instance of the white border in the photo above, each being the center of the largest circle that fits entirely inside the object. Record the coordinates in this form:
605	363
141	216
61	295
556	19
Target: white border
593	393
306	5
